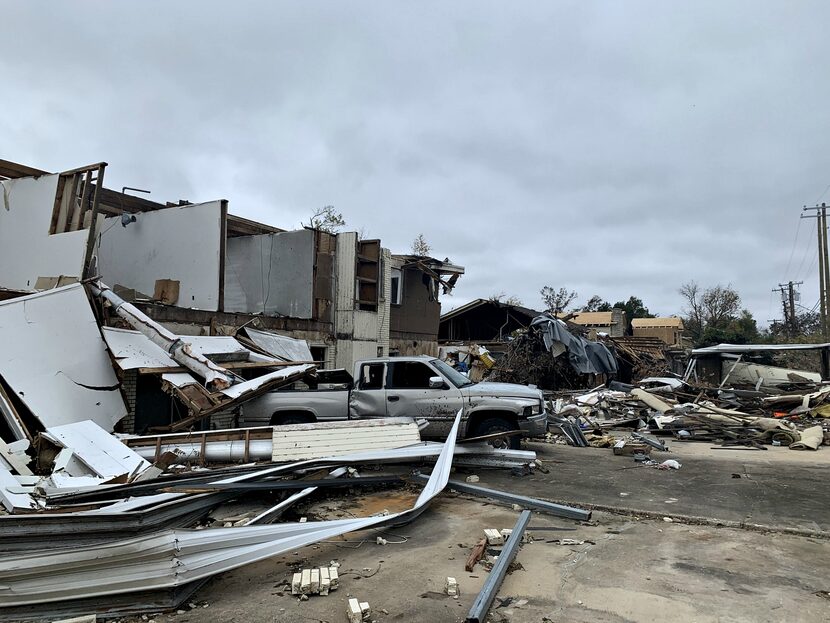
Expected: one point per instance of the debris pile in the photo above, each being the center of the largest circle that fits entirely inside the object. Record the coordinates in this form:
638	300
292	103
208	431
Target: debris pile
797	418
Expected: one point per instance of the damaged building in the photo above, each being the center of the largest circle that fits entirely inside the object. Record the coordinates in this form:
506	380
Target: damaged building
199	270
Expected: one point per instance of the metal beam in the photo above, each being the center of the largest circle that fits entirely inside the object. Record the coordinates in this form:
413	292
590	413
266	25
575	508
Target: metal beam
568	512
478	611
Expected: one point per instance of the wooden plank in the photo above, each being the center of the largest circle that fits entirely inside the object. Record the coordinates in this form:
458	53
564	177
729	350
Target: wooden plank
83	207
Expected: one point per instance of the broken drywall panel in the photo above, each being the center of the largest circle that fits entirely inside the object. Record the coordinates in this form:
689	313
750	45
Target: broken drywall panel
271	274
180	243
97	449
281	346
54	360
27	250
132	349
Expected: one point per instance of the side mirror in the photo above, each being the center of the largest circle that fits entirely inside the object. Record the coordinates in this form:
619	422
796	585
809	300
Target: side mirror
436	382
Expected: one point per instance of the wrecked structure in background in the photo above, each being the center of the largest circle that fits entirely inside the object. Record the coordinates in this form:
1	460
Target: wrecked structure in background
226	273
669	330
552	354
415	312
611	323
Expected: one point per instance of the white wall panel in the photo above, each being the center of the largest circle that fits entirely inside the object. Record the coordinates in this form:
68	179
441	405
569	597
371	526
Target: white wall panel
27	251
180	243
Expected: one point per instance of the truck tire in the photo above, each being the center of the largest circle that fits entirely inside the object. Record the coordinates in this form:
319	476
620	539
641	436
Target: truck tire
279	419
498	425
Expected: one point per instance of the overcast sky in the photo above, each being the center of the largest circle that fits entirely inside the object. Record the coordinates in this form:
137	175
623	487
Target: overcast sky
613	148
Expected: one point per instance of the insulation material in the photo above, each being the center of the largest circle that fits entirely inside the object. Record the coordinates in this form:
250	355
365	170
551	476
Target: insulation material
97	449
132	349
27	250
180	243
281	346
811	439
271	274
54	360
297	442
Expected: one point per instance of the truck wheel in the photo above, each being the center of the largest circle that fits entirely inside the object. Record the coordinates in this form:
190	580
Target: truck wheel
498	425
292	418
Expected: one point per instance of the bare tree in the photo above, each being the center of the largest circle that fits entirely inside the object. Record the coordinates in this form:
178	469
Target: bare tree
556	301
713	309
420	246
325	219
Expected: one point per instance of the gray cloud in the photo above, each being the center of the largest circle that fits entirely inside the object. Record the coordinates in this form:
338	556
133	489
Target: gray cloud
613	148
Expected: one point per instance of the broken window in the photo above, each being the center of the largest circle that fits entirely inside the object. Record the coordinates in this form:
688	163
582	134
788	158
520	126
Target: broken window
396	287
410	375
371	376
73	200
367	273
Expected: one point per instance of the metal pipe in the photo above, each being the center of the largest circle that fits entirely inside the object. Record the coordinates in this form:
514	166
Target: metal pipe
558	510
478	611
216	377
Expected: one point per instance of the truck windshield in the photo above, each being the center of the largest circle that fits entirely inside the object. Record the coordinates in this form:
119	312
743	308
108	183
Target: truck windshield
454	376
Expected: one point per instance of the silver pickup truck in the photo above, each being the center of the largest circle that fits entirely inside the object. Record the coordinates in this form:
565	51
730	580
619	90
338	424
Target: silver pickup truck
418	387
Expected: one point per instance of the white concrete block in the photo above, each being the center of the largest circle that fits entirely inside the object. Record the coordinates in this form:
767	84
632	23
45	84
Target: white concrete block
493	536
305	582
452	587
325	581
334	578
365	611
353	611
315	581
296	583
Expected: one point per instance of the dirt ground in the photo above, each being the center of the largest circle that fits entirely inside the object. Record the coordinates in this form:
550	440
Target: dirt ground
629	568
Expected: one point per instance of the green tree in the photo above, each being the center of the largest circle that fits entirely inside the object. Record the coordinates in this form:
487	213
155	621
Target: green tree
633	308
596	304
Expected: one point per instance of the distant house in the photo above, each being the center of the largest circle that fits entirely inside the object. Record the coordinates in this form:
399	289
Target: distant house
484	322
668	330
610	322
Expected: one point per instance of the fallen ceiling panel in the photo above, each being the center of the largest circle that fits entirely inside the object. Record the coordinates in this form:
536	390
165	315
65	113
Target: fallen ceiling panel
132	349
54	360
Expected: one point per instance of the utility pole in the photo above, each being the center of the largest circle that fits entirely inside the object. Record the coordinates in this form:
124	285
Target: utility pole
823	265
824	278
787	291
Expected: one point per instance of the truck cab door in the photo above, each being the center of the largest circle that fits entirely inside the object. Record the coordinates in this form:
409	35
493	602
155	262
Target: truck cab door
408	394
368	397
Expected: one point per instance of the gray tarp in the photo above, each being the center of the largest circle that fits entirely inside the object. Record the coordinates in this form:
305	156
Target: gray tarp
584	356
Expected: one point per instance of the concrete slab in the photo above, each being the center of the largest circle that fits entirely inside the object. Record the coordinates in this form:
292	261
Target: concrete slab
627	570
778	487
